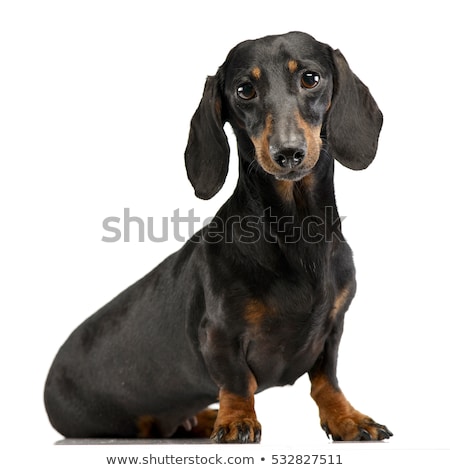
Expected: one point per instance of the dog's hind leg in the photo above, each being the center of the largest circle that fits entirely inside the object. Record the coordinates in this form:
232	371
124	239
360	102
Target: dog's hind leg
198	426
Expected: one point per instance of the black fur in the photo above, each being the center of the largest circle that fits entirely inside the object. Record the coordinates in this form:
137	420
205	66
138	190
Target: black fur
252	294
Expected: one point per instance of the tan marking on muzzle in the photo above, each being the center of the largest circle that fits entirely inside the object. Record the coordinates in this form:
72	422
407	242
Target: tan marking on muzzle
312	138
313	142
262	151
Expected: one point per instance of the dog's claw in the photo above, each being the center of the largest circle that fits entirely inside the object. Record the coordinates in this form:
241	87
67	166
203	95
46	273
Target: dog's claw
383	432
364	435
364	430
189	423
219	435
243	434
237	433
327	431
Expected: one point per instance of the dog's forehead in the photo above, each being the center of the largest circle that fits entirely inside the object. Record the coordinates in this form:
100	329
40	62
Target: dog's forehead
273	50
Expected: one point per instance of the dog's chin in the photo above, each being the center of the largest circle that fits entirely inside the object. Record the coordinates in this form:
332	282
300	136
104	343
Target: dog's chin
292	175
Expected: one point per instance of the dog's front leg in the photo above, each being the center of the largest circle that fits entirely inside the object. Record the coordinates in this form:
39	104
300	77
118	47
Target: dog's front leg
338	418
236	420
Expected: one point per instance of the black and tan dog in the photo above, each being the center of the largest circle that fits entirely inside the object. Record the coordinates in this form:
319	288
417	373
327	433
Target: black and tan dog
255	299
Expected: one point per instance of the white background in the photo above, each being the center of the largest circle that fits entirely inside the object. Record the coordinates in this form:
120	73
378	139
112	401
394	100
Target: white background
95	103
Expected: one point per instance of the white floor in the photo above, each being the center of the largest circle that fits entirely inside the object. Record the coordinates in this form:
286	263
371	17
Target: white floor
133	442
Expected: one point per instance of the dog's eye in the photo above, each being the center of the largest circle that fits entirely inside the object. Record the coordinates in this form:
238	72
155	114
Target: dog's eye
246	91
310	80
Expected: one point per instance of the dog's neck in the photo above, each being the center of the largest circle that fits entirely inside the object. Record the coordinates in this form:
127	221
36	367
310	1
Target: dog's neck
306	197
290	217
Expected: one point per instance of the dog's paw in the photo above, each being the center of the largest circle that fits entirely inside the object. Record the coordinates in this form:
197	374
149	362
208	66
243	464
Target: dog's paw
355	427
241	431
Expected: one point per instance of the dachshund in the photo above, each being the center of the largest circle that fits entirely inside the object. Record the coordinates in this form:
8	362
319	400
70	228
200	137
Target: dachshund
257	297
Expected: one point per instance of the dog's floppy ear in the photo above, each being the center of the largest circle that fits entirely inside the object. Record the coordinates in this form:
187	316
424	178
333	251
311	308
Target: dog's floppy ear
207	153
354	120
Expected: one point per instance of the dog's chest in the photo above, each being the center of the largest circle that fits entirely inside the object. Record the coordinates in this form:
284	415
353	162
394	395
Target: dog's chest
282	347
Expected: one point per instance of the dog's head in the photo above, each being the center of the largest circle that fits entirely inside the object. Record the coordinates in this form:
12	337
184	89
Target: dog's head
286	95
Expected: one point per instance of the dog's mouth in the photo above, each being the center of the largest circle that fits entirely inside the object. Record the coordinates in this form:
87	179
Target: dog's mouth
292	175
289	172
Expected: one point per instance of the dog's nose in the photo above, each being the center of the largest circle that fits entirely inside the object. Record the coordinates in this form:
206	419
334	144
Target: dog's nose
289	157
